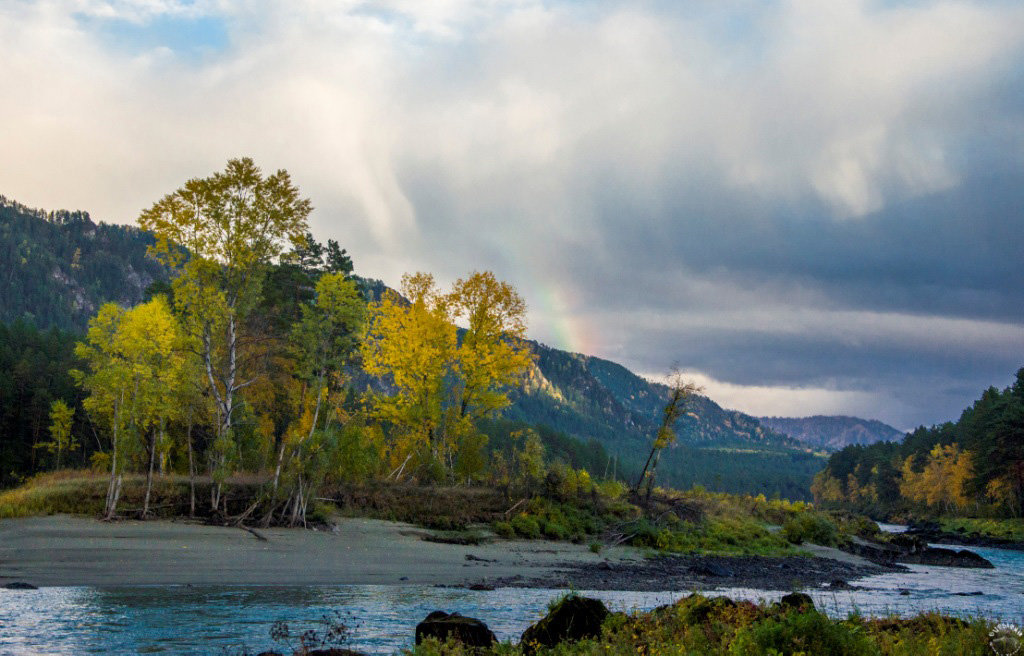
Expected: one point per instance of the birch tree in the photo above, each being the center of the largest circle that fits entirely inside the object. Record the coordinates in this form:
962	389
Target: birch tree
679	391
221	232
324	341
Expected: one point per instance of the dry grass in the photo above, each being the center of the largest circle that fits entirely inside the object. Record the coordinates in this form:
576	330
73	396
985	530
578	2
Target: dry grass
83	492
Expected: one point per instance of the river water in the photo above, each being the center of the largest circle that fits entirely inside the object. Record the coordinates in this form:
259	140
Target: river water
235	619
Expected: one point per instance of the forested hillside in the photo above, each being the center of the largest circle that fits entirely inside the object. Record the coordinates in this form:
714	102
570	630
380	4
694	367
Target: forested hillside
972	466
833	433
722	449
57	268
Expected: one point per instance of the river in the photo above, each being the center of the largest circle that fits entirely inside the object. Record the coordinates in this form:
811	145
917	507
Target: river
214	619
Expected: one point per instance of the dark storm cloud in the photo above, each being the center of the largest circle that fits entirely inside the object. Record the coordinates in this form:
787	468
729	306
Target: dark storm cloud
812	206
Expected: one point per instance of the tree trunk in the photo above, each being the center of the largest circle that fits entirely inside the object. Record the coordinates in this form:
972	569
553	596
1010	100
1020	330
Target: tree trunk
108	510
191	473
149	474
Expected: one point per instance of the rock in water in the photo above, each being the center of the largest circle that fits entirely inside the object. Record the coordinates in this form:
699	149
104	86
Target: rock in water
947	558
797	600
19	585
467	630
574	618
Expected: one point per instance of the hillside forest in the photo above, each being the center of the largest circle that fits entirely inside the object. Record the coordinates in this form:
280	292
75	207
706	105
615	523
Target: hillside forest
974	466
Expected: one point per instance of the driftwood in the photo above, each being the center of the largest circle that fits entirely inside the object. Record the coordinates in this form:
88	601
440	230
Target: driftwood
259	536
508	513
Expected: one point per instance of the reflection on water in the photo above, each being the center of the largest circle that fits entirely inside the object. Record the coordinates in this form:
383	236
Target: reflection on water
209	619
228	619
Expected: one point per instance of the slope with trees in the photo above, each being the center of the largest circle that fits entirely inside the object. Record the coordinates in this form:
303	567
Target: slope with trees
595	399
57	268
974	466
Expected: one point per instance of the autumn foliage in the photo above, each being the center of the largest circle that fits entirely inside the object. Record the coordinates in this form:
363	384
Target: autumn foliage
264	360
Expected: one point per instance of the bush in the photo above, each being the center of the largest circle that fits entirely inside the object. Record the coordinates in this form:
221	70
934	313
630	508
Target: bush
526	526
555	530
504	529
611	490
811	527
807	632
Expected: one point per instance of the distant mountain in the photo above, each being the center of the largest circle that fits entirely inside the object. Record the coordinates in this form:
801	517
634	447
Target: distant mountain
834	433
57	268
592	398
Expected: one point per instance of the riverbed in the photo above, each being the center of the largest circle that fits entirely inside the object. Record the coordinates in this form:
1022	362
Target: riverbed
233	619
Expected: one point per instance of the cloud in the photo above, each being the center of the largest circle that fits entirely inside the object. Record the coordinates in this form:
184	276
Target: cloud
794	195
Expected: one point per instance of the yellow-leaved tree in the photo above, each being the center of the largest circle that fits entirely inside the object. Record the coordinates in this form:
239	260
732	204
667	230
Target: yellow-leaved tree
410	341
943	480
440	385
492	357
61	439
135	371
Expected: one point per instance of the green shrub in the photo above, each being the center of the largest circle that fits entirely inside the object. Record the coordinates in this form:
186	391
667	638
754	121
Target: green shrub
526	526
811	527
807	632
504	529
555	530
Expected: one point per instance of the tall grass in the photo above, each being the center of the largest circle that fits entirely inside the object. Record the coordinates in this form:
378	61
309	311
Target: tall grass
718	626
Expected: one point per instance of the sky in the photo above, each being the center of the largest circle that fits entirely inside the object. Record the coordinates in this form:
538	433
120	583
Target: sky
809	207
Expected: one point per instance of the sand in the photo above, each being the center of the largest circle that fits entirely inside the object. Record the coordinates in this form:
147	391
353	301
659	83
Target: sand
76	551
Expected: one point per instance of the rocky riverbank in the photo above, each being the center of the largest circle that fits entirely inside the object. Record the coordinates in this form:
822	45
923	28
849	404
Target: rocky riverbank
912	549
933	533
694	572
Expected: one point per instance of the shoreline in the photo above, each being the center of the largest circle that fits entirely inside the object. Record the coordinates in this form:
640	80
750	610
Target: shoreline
63	550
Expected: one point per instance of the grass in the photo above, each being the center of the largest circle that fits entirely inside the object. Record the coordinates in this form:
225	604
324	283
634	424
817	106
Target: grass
83	492
674	522
695	521
1007	529
701	625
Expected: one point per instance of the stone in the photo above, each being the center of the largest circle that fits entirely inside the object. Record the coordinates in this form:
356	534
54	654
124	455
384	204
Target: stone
947	558
574	618
443	626
711	569
797	600
19	585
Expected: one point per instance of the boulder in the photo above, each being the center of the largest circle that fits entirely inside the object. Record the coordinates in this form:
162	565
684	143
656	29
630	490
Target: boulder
711	569
797	600
19	585
443	626
908	544
947	558
698	609
574	618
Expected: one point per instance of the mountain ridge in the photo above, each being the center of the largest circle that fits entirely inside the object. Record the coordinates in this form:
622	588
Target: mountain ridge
834	432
